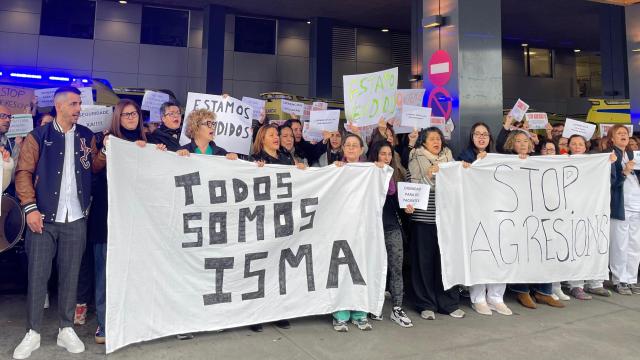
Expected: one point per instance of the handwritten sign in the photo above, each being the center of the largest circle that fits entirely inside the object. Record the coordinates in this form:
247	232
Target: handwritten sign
604	129
416	195
572	127
45	96
97	118
17	99
519	109
309	134
537	121
292	107
368	97
233	117
21	125
256	104
325	120
152	101
416	117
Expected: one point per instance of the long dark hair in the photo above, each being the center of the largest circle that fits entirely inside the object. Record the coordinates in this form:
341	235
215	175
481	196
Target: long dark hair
374	152
472	145
117	113
258	144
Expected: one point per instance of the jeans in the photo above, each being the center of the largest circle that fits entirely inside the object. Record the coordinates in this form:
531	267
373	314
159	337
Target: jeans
544	289
100	257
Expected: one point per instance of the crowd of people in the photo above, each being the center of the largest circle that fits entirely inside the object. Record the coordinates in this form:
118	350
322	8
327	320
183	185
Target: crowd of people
61	171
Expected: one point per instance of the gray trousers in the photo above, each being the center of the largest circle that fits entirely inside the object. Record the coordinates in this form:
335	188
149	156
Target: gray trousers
68	241
393	242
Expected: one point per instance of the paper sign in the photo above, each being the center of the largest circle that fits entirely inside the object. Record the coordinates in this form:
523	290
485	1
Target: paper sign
292	107
413	194
307	113
369	97
45	96
319	105
519	109
604	129
310	134
256	104
405	97
636	158
233	131
325	120
21	125
439	122
416	117
97	118
572	127
537	121
17	99
152	101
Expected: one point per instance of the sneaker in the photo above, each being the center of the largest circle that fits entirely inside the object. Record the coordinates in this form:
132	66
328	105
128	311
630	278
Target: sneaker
500	308
600	291
622	289
80	318
458	314
340	326
29	343
376	317
256	328
188	336
635	289
46	301
482	308
428	315
68	339
560	295
547	299
400	317
362	324
579	294
99	335
283	324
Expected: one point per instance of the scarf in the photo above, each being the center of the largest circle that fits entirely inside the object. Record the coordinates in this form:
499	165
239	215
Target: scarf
175	133
130	135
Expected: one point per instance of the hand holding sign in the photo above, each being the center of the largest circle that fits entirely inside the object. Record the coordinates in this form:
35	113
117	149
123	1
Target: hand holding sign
519	109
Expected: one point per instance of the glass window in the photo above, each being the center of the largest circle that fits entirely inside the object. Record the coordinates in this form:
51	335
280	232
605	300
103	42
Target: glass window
538	62
68	18
254	35
168	27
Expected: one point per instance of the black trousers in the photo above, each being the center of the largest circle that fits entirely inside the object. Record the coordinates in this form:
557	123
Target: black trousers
426	274
86	278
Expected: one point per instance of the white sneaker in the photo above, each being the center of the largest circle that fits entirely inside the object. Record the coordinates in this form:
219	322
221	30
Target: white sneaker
400	317
68	339
482	308
30	343
560	295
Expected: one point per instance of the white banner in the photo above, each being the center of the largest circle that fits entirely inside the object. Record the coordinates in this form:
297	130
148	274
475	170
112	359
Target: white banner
539	220
233	131
368	97
220	243
97	118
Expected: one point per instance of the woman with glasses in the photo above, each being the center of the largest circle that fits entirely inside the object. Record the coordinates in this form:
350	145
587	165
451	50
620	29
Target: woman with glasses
126	124
169	131
480	143
201	125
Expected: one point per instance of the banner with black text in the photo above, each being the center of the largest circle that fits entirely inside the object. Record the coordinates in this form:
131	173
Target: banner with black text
509	220
203	243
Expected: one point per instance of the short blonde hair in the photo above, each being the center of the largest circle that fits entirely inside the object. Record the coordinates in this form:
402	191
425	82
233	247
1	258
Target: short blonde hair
508	145
195	118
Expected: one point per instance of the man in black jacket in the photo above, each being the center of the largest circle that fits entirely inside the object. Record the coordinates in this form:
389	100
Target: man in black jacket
169	132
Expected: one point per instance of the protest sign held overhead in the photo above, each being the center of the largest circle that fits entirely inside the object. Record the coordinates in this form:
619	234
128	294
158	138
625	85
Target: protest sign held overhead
325	120
45	96
577	127
152	101
256	104
405	97
17	99
21	125
519	109
233	130
97	118
368	97
537	121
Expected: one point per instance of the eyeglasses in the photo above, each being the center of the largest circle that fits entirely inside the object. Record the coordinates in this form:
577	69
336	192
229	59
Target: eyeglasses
130	115
4	116
481	135
210	124
173	114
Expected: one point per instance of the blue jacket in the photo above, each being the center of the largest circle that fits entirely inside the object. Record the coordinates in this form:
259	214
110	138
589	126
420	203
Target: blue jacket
617	185
39	170
469	155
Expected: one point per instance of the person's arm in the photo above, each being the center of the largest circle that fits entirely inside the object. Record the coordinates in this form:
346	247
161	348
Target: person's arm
25	170
99	156
502	139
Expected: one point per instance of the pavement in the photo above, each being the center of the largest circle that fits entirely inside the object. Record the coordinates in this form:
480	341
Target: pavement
603	328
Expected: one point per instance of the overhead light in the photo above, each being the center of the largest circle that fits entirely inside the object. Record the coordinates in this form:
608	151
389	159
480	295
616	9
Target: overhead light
58	78
26	76
432	22
576	50
385	30
636	50
122	1
525	45
309	22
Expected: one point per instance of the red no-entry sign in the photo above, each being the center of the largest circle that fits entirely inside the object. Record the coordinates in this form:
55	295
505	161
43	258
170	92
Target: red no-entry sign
440	102
440	68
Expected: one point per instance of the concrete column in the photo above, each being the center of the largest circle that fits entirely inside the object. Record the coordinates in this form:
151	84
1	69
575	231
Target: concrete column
472	36
213	41
633	59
